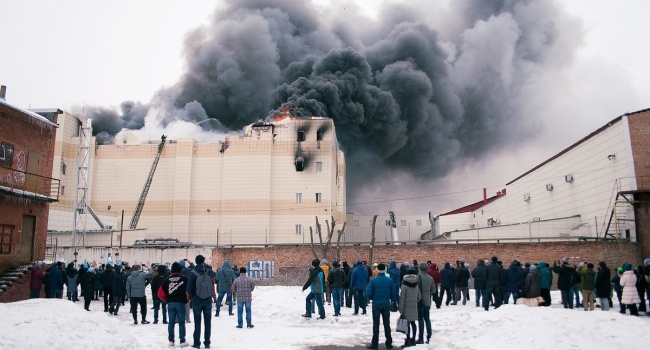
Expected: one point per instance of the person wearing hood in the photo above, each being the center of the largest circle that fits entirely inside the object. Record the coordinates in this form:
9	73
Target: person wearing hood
358	282
225	277
118	290
394	274
72	282
202	305
480	282
156	282
533	283
428	290
588	285
380	291
135	288
36	280
409	298
514	282
630	294
88	287
546	279
335	282
437	279
316	283
56	280
447	283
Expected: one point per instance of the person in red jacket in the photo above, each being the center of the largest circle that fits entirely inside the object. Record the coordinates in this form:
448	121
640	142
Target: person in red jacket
36	281
173	291
435	274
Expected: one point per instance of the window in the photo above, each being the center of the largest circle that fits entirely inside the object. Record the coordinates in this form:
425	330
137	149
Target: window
319	166
418	222
298	229
387	222
62	190
6	231
319	135
63	168
301	136
319	197
356	222
402	222
298	197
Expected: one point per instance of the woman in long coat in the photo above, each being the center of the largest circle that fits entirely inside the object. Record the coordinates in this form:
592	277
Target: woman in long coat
630	295
408	304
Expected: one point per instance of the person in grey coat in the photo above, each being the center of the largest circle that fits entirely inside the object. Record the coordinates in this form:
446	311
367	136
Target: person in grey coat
135	286
225	278
409	298
428	290
533	284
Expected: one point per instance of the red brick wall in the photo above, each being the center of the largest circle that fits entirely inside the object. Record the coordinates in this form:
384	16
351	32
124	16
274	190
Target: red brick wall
613	253
25	134
640	141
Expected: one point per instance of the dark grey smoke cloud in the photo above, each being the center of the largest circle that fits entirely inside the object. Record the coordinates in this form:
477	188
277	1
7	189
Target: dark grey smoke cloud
408	95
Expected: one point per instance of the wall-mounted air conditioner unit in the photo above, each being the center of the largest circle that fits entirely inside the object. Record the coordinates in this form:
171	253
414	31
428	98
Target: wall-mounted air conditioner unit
527	197
568	178
490	222
497	222
536	219
549	187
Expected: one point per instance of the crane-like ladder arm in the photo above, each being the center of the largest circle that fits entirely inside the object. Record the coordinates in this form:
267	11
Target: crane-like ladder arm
147	184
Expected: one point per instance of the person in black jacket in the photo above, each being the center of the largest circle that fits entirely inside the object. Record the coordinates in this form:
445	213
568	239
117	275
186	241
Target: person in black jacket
156	282
173	291
88	287
462	277
107	285
118	290
448	282
335	280
564	281
494	277
480	281
603	286
346	286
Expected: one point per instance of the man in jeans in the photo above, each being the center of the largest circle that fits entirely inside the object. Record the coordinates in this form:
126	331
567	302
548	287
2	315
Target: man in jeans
174	291
380	291
243	289
201	306
135	285
225	277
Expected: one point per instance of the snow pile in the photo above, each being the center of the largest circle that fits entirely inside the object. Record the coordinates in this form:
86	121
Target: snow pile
60	324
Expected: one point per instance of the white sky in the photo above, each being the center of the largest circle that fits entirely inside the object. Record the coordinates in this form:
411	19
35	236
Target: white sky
70	53
60	324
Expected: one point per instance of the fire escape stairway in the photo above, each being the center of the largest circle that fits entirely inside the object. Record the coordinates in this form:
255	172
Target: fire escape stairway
147	184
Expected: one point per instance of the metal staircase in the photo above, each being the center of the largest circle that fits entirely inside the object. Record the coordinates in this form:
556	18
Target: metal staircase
147	184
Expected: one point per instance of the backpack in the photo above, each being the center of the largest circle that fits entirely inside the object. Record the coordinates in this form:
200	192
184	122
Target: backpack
203	285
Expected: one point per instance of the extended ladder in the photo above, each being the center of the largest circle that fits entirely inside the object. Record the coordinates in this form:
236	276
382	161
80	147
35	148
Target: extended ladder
145	190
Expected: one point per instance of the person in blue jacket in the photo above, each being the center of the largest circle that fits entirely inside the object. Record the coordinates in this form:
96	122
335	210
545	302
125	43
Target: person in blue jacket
394	273
358	281
380	290
315	282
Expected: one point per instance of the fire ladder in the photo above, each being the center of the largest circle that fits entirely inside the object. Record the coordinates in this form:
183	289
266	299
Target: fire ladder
145	190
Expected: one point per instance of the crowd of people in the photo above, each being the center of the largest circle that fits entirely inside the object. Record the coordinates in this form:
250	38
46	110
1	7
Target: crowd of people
411	290
185	288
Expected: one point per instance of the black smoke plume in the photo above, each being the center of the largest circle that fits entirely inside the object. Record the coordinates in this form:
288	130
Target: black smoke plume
412	92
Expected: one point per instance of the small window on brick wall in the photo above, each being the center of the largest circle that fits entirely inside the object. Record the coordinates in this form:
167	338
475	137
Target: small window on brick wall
6	232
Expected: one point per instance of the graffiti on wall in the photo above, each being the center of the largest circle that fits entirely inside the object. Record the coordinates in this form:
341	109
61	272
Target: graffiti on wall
260	269
6	154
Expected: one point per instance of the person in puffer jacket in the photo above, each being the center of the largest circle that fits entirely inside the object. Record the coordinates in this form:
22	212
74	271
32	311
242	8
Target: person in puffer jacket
72	282
135	286
630	294
408	305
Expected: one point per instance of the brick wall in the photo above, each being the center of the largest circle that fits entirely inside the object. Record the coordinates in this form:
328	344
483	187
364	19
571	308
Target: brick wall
639	124
613	253
25	134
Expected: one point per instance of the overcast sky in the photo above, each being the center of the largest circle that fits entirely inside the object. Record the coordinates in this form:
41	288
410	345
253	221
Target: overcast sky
67	54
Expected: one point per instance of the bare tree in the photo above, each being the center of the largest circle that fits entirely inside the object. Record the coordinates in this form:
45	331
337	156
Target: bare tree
313	248
338	242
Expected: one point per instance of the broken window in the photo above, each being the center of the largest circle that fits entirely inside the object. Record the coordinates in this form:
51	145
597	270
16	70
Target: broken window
301	136
319	136
319	197
300	163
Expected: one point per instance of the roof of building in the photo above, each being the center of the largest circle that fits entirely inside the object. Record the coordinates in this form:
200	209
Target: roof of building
596	132
29	113
474	206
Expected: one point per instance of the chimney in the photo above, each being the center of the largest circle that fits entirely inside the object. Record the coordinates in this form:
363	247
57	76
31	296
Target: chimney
3	92
484	195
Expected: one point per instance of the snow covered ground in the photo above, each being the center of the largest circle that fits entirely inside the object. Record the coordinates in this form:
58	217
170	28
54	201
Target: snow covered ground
60	324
